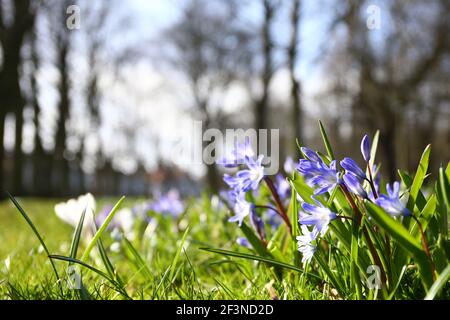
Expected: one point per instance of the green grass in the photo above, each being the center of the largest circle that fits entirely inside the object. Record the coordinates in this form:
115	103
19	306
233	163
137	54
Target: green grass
158	272
195	256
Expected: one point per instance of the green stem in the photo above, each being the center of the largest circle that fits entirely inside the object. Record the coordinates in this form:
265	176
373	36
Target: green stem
370	245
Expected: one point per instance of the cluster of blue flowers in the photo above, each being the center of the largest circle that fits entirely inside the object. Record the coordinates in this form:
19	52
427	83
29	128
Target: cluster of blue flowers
324	178
244	180
320	174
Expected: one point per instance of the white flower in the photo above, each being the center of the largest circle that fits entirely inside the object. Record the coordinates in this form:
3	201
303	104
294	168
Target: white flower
125	220
305	245
70	212
8	262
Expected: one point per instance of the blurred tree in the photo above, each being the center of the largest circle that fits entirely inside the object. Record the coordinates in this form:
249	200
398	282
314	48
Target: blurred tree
16	19
391	69
62	41
293	57
270	8
212	50
41	160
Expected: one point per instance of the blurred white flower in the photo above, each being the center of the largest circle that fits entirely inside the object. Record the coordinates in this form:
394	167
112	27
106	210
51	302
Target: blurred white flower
115	247
8	262
70	212
125	220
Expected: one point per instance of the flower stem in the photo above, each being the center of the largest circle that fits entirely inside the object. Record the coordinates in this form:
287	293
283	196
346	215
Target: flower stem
370	245
372	185
375	195
425	246
281	211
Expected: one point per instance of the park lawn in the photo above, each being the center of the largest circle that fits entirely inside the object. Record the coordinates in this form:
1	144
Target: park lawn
197	274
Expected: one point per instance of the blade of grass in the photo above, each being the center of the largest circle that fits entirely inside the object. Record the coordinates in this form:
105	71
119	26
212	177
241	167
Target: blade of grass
334	280
373	150
438	284
140	262
36	232
391	295
419	178
100	231
97	271
177	256
326	141
258	258
77	236
396	230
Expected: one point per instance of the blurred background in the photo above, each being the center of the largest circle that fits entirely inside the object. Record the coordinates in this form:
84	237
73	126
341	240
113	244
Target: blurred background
95	95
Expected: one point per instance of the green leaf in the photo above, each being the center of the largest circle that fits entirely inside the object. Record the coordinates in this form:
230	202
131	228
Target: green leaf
397	231
177	256
269	261
139	260
354	272
100	231
254	240
97	271
336	281
443	208
438	284
293	209
302	188
373	150
326	141
36	232
399	280
107	263
426	215
419	178
77	236
408	181
444	184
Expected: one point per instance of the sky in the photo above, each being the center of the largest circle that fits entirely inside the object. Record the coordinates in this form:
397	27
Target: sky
156	100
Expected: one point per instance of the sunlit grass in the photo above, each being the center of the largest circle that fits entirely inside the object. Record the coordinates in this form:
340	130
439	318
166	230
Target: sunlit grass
196	274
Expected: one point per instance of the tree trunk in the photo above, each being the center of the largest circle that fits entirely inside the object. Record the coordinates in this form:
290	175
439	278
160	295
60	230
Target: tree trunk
12	37
295	84
388	143
61	167
261	118
2	156
18	154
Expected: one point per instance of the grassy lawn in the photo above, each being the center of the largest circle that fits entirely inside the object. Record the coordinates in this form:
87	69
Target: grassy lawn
197	274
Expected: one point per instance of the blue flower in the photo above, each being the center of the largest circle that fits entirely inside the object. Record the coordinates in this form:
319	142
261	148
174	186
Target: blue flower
289	165
310	154
244	242
247	179
229	197
317	173
305	246
351	166
241	209
354	185
391	202
365	148
317	216
237	155
169	204
283	187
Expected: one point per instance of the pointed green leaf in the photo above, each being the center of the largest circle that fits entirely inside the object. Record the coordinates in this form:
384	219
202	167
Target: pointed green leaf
397	231
100	231
326	141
